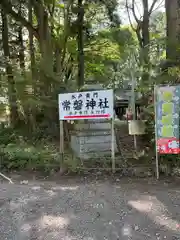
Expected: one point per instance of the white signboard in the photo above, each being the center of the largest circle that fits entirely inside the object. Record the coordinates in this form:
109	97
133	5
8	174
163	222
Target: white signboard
86	105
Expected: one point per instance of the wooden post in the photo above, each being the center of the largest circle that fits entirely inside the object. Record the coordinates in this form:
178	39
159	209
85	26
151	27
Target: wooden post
133	102
61	143
113	146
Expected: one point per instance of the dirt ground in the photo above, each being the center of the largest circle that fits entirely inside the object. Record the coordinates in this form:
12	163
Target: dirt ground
90	210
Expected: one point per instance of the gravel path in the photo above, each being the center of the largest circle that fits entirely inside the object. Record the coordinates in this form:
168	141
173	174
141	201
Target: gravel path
90	210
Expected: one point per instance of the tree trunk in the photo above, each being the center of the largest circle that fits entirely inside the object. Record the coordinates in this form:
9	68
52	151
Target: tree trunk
14	116
80	42
31	107
31	44
173	29
46	50
21	50
145	32
145	36
22	67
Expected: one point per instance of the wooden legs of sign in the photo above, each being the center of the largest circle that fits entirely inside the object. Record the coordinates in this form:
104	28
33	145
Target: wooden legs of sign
157	165
113	146
61	145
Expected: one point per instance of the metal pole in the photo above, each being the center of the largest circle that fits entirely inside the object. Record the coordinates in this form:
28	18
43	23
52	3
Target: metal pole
133	102
113	145
155	111
113	134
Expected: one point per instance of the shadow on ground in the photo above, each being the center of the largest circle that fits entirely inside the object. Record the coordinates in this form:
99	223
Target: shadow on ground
90	210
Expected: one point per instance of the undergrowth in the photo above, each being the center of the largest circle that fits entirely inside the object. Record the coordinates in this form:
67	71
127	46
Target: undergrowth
20	153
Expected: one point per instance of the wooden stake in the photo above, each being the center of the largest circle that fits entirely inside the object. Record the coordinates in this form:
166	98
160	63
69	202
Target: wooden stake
61	143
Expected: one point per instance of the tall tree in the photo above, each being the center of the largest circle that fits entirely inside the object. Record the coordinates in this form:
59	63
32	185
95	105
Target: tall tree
80	41
141	26
14	116
64	42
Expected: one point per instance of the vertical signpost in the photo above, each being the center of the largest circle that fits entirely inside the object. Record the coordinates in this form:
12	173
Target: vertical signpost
61	143
88	105
167	113
113	145
133	105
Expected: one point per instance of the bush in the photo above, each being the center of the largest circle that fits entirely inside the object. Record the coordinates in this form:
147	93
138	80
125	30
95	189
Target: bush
17	152
7	135
27	157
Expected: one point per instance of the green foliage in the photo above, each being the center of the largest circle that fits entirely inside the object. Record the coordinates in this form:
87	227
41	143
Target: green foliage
7	135
16	153
19	153
174	71
22	156
158	25
72	163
